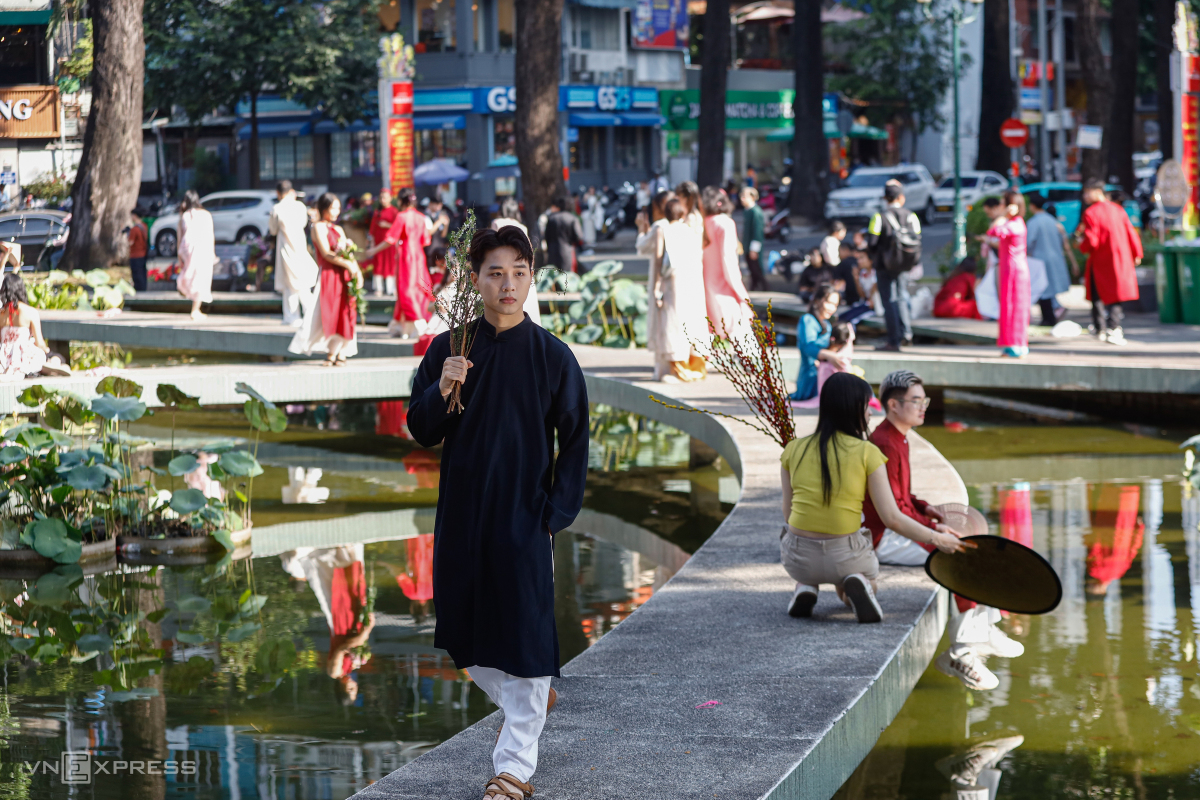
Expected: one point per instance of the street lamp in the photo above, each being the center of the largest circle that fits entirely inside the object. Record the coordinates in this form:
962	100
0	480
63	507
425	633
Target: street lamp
958	17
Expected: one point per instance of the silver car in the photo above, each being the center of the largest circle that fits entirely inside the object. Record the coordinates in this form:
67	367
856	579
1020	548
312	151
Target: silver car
238	216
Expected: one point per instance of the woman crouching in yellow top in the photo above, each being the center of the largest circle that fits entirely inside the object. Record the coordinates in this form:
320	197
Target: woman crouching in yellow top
825	478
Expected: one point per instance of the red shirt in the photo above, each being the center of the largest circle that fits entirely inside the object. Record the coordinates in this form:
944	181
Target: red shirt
895	446
1112	246
137	240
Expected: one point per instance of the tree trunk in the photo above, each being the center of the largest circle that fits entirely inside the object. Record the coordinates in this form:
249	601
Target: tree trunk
255	166
537	72
997	88
1099	85
109	175
714	73
810	151
1164	18
1124	28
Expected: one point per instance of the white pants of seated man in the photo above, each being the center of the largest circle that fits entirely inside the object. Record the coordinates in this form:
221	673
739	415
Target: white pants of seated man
966	628
523	701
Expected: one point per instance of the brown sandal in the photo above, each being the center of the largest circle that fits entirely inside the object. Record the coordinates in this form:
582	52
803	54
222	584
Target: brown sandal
551	699
502	782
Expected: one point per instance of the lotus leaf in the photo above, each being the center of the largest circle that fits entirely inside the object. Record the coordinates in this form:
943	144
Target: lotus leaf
188	637
52	589
253	604
118	387
35	395
60	493
243	631
112	473
96	278
59	439
140	693
186	501
545	280
616	340
22	645
588	334
124	287
183	464
57	276
125	409
172	397
225	538
630	297
86	479
35	438
97	642
568	282
246	389
603	269
194	605
275	656
52	415
11	454
104	297
240	463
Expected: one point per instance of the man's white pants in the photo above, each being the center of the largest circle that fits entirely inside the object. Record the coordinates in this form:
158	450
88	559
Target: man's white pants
523	701
296	303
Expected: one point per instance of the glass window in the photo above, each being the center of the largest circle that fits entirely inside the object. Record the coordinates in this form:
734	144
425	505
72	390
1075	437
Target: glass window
10	227
869	179
239	203
450	144
215	203
628	150
266	159
435	21
595	28
37	226
339	155
968	182
504	136
304	156
583	151
506	12
364	149
285	158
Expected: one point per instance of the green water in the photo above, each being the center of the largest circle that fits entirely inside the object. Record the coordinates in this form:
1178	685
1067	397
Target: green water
224	670
1105	702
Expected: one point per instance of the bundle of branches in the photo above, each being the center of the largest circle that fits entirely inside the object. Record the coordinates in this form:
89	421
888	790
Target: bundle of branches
752	364
459	303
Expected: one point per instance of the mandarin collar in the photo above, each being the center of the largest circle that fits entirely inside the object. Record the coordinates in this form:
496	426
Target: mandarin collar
515	332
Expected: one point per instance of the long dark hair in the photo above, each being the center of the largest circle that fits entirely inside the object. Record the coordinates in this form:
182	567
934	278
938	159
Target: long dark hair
325	202
12	291
689	193
658	206
191	199
844	399
820	295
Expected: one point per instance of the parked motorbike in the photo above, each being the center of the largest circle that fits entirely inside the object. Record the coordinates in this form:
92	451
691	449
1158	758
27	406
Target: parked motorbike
615	203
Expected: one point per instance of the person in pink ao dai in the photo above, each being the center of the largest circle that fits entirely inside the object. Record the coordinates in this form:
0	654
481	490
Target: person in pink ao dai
724	293
1007	236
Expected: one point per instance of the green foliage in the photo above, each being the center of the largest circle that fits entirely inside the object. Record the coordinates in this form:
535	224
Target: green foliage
188	501
76	70
896	61
52	188
209	172
608	312
172	397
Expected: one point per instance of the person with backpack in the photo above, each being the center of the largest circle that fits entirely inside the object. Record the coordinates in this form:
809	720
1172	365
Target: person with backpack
1007	237
894	242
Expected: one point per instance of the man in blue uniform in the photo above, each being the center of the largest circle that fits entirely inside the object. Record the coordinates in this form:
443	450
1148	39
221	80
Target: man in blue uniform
503	496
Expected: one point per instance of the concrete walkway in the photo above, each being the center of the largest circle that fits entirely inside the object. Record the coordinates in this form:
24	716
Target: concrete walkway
801	701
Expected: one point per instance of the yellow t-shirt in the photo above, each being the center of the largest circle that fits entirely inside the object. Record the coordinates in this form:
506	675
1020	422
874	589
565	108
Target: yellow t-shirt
855	459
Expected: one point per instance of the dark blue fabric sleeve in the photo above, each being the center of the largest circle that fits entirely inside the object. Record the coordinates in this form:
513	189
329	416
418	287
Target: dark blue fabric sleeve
569	413
429	415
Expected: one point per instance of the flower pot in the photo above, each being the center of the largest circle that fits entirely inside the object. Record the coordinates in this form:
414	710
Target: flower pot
180	550
25	562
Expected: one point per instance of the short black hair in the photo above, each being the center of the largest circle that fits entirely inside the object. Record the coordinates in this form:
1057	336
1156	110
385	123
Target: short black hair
283	187
896	384
893	191
486	240
840	332
1035	199
836	227
565	203
674	210
991	202
1093	183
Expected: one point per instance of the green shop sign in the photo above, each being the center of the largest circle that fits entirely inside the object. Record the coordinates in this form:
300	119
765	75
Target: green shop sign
742	109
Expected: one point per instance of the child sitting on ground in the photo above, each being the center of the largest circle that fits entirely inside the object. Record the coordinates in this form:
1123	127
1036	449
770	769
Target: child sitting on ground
841	341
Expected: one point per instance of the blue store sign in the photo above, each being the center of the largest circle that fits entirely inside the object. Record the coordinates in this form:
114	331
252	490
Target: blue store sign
503	99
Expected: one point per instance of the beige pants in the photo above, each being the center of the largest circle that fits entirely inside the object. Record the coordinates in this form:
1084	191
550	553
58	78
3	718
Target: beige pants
816	561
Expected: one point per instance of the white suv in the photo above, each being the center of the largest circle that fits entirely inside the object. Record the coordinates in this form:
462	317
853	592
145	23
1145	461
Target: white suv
975	184
236	215
862	193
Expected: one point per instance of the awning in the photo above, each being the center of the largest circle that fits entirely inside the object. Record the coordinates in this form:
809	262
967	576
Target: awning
591	119
277	130
329	126
439	122
36	17
644	119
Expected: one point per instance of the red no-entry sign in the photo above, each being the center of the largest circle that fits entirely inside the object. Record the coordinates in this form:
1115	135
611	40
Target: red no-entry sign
1013	133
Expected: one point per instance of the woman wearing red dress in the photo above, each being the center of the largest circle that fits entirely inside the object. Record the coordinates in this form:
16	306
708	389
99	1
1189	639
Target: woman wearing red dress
414	289
331	329
385	262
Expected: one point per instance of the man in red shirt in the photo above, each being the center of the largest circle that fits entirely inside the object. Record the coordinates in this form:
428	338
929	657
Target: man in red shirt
1114	249
138	245
973	632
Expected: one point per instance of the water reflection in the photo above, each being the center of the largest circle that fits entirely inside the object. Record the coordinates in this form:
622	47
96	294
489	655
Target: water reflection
1106	700
308	671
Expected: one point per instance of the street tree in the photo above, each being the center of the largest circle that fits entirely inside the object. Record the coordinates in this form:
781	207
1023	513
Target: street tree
110	167
1160	43
206	54
536	117
898	63
996	88
714	72
810	151
1125	45
1099	85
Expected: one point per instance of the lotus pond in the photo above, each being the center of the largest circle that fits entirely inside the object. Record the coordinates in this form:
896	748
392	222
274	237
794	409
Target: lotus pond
308	669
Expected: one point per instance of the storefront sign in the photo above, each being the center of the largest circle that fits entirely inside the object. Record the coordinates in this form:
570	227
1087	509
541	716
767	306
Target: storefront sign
660	25
29	112
400	152
742	109
503	99
402	98
1089	137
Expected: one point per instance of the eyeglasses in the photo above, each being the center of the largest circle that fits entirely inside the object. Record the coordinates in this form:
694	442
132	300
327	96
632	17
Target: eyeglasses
923	402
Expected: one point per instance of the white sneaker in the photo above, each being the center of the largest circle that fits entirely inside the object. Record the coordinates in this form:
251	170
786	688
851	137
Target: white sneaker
999	644
1101	335
803	601
964	768
1115	336
969	669
858	591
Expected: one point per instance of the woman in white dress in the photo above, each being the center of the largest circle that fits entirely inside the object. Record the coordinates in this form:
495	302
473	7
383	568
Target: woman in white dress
197	252
650	226
689	193
677	327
